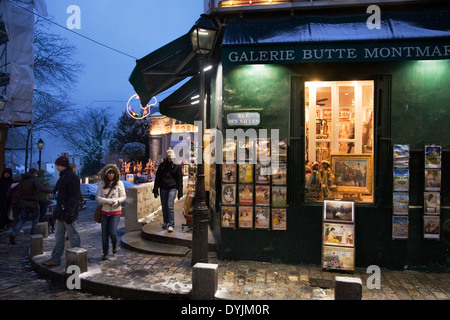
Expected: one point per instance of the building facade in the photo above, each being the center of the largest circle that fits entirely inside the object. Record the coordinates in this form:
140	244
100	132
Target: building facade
355	100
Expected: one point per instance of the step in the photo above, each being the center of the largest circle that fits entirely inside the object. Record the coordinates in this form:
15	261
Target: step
134	241
181	235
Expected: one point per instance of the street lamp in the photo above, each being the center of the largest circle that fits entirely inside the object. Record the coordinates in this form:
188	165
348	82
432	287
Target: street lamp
40	146
203	36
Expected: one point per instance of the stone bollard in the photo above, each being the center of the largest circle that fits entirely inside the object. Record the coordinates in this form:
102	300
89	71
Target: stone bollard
77	257
347	288
36	245
42	228
204	281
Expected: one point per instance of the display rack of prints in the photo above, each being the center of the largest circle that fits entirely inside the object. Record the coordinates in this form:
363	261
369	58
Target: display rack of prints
400	195
432	195
253	193
338	236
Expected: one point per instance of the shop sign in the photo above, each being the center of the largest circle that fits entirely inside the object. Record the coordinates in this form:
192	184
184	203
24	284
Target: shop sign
243	119
357	52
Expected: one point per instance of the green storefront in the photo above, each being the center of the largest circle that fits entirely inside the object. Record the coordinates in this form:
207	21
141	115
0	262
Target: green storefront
389	85
335	93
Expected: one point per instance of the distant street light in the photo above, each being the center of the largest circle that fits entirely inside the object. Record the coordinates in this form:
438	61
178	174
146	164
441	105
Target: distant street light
203	36
40	146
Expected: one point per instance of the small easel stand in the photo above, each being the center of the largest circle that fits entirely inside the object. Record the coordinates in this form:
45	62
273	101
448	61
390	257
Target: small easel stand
338	235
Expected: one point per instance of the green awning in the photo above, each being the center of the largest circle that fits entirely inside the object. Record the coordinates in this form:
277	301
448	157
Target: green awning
183	103
164	68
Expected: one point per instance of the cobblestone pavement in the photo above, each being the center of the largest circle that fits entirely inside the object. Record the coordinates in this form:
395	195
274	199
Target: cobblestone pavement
141	274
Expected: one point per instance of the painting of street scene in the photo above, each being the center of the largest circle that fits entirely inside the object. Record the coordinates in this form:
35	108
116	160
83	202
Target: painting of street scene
353	172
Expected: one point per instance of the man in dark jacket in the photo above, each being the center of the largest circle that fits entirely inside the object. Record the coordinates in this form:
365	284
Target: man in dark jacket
169	181
28	202
66	211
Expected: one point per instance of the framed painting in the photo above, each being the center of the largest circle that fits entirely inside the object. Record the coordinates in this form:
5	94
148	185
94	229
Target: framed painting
278	219
432	180
353	173
339	211
262	195
400	227
400	203
401	156
338	258
228	219
229	173
432	203
245	217
338	234
431	227
245	194
228	194
432	156
262	217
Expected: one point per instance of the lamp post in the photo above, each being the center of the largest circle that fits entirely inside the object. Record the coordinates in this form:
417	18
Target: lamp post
40	146
203	36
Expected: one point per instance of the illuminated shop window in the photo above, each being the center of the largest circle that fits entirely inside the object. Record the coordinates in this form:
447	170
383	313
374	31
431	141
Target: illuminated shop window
339	140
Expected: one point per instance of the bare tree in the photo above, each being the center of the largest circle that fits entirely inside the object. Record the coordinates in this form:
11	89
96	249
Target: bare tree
55	71
87	136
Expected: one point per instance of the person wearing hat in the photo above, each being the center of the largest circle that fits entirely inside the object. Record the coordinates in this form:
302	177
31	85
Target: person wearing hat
168	182
110	193
66	210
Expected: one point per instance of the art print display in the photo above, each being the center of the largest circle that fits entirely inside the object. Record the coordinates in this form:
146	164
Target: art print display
401	156
262	195
431	227
262	217
228	194
401	180
340	211
245	217
400	203
245	173
432	179
432	203
245	194
229	173
279	219
228	217
263	173
279	174
338	258
400	226
279	195
432	156
338	234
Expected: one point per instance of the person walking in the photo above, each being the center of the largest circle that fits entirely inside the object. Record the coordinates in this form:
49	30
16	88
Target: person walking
43	198
5	182
111	194
66	210
169	181
28	202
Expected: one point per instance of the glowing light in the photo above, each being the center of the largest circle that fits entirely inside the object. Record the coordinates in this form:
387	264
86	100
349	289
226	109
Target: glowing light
145	111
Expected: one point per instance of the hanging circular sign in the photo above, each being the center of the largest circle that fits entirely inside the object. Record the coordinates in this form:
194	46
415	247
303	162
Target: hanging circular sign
145	111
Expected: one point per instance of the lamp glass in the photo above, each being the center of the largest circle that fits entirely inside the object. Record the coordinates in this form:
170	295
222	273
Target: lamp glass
40	144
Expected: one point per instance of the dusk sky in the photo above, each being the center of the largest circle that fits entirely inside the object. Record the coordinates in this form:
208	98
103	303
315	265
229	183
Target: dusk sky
134	27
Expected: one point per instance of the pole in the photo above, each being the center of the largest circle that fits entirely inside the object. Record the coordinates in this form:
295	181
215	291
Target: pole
40	159
201	211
